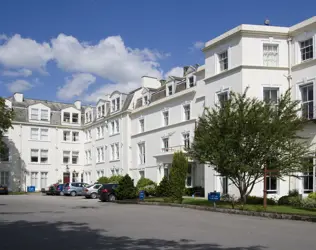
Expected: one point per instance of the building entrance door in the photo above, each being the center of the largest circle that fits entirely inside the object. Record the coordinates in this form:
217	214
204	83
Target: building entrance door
66	177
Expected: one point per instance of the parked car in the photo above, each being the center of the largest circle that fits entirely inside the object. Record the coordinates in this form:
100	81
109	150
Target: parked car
91	191
74	188
4	189
59	189
50	190
107	192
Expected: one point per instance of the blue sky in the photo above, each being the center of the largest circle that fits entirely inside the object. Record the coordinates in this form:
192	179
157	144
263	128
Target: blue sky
67	50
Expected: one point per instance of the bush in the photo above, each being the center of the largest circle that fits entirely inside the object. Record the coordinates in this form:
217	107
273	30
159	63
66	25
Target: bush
163	188
254	200
284	200
147	185
295	201
178	175
195	190
293	193
115	179
103	180
144	182
308	203
312	196
125	189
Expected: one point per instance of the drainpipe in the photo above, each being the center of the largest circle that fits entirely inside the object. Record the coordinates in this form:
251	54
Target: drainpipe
289	76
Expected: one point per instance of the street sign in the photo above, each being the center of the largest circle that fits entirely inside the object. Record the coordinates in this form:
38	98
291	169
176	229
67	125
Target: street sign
141	195
214	196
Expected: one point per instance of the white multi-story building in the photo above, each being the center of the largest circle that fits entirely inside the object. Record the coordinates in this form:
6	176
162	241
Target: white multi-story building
138	132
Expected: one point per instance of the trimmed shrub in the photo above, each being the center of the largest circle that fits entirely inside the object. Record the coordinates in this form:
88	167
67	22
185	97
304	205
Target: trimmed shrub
295	201
147	185
312	195
103	180
163	188
195	190
115	179
178	175
284	200
143	182
293	193
308	203
125	189
254	200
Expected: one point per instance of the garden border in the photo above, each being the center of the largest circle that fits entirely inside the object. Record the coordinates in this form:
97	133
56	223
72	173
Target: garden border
270	215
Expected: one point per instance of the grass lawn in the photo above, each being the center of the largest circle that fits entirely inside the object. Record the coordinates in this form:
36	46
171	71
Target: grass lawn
249	207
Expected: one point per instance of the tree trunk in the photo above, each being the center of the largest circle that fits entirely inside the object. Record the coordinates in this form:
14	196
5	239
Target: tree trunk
243	196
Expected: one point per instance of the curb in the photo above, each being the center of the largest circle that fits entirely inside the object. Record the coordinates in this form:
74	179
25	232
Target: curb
270	215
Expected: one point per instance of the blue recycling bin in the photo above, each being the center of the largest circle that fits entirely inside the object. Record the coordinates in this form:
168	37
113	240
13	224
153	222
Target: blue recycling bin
30	189
141	195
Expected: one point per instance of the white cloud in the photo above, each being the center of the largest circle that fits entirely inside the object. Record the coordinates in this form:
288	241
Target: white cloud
108	89
109	59
199	45
17	73
75	85
20	52
176	71
19	86
3	37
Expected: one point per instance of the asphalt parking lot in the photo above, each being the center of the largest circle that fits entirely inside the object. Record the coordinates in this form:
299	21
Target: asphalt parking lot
54	222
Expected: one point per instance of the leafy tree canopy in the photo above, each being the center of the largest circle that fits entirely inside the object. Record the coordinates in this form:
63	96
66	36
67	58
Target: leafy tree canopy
6	116
242	135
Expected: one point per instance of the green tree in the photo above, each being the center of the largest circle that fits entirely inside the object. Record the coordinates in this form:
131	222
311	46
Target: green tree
103	180
115	179
163	189
242	135
178	175
126	188
6	116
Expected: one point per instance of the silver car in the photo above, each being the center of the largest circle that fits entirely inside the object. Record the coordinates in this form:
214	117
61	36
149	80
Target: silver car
74	188
91	191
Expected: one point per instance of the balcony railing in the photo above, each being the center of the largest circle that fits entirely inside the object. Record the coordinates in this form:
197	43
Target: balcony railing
175	149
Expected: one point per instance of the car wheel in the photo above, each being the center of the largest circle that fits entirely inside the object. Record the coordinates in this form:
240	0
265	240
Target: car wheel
112	197
61	193
93	195
73	193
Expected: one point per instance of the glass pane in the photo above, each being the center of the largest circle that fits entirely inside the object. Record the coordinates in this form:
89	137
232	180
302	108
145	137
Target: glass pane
274	95
310	93
304	94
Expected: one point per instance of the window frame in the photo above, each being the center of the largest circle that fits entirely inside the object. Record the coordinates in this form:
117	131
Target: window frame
186	140
39	156
164	123
141	126
271	88
165	141
223	61
141	153
304	48
301	87
265	61
269	179
185	117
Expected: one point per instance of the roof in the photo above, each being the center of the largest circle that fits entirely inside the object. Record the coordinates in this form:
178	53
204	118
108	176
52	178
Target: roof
304	24
254	29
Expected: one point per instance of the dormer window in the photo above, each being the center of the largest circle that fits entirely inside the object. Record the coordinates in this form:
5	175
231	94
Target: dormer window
145	99
39	114
66	117
34	114
170	90
75	118
101	111
88	116
118	104
191	82
44	115
115	104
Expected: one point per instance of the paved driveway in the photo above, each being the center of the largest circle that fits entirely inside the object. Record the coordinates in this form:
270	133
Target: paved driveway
60	223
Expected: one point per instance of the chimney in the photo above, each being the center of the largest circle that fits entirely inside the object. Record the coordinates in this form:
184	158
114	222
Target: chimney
18	97
150	82
8	103
78	104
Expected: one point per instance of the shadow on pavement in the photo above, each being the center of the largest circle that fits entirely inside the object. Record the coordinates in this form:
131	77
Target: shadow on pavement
71	235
